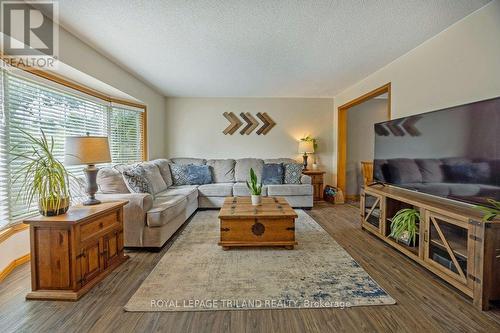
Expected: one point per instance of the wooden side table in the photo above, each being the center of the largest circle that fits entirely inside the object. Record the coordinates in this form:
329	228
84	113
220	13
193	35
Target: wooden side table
71	253
317	183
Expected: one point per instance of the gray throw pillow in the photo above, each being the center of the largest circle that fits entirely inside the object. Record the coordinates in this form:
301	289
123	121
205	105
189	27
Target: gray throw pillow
179	174
198	174
273	174
293	173
136	179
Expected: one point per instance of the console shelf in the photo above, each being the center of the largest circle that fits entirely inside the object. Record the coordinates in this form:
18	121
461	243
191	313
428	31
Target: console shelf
452	240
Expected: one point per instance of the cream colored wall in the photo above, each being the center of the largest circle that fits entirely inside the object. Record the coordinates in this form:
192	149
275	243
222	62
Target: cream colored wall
194	128
459	65
14	247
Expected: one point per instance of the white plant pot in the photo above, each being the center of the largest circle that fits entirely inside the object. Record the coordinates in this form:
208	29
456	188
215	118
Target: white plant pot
315	166
256	200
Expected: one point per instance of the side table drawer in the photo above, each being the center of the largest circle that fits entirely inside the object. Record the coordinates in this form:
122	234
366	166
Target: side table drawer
90	229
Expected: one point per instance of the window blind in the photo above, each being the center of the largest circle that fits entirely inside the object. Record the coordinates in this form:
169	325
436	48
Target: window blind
32	107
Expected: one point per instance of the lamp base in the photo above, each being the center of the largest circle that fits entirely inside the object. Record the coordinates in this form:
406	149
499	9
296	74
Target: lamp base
91	201
305	161
91	173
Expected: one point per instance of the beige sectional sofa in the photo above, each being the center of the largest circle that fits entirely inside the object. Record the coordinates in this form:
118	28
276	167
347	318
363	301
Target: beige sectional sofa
151	219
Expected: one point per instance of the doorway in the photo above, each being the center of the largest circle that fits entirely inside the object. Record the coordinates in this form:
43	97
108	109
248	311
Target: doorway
356	136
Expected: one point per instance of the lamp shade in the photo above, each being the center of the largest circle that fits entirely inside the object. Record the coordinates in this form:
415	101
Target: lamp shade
86	150
306	147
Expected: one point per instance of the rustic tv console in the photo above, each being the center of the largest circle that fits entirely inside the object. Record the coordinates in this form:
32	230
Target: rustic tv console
453	242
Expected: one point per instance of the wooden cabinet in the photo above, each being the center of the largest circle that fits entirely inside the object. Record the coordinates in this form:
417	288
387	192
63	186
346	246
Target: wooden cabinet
317	180
452	240
70	253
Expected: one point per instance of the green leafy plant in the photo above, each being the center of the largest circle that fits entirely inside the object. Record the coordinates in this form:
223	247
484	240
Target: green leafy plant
42	177
404	224
254	187
490	212
309	138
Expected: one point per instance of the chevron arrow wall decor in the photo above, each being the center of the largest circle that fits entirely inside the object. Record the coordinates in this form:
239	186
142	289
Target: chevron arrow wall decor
235	123
251	123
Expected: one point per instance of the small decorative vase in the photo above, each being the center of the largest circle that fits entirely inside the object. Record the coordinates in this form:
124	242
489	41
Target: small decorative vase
256	200
315	166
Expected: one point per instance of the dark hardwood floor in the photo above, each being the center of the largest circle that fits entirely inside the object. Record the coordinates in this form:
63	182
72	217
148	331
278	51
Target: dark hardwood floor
424	302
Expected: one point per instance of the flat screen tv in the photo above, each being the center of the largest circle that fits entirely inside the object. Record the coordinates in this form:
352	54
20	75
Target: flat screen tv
452	153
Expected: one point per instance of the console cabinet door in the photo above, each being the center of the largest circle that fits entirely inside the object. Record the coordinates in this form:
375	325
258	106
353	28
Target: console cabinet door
372	212
447	246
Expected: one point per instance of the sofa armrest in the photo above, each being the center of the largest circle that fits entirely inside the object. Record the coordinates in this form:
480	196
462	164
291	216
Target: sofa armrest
134	214
305	179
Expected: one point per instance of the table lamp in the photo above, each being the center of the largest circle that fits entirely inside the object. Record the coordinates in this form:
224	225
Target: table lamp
89	150
306	147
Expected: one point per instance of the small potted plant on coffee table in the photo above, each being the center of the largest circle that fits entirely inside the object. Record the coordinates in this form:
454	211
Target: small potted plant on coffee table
255	188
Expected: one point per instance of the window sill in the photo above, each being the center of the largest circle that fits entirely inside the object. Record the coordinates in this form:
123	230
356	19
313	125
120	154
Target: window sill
12	230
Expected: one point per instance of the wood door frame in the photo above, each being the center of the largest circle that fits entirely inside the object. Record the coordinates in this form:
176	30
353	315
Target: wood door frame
342	129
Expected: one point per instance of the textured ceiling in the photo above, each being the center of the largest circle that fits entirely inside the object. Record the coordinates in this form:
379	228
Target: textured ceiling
257	47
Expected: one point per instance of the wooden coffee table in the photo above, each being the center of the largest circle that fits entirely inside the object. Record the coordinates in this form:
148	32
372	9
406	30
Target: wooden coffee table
270	224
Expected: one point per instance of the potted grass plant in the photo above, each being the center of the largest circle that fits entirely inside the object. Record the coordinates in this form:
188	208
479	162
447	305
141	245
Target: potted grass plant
404	226
255	188
489	213
43	178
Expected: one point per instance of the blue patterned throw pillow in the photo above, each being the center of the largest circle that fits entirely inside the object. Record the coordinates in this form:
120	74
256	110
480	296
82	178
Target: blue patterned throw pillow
136	180
198	174
293	173
273	174
179	174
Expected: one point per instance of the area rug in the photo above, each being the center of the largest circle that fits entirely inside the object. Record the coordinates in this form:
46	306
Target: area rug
195	274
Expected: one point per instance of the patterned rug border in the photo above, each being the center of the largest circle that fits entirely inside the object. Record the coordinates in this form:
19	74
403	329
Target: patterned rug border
133	308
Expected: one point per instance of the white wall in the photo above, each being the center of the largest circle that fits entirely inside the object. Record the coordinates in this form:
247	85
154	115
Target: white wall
459	65
361	139
194	128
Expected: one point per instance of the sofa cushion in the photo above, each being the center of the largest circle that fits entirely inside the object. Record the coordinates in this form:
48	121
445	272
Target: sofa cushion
241	190
242	169
189	191
431	170
179	174
187	160
289	190
283	160
293	172
154	177
136	180
222	170
198	174
165	208
404	170
216	190
110	181
273	173
164	168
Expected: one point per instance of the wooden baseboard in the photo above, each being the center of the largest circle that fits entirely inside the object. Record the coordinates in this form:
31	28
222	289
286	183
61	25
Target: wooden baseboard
16	262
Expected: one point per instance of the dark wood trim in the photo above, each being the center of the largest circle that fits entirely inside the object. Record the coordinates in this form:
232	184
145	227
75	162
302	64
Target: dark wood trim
342	129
